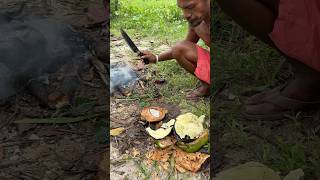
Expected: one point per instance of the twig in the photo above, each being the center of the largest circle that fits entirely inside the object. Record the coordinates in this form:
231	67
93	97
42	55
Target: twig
8	120
101	70
90	84
126	99
13	143
70	131
6	164
94	25
27	174
141	84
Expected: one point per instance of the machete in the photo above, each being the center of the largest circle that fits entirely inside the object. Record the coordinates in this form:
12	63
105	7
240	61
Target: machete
132	46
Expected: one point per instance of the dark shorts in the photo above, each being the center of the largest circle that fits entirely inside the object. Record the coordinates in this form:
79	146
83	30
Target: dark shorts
296	31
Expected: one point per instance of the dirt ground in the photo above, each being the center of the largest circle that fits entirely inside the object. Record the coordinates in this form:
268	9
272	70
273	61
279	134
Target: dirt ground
128	150
42	148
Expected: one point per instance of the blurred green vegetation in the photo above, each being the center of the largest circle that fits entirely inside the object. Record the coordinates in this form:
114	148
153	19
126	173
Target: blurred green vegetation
248	66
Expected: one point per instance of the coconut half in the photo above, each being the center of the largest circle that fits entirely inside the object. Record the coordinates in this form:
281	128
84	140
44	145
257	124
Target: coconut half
163	131
189	126
153	114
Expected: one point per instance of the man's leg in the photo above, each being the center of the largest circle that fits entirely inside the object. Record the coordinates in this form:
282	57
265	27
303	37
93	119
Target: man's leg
258	17
186	54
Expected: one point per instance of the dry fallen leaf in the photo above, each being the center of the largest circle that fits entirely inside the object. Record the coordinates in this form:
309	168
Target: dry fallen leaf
135	152
189	161
161	155
180	169
164	165
183	161
116	131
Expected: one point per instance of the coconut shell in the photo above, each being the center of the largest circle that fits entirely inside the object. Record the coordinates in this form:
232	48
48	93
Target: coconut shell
146	115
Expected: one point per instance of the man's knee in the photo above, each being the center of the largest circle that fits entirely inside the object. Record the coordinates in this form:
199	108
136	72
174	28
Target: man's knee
180	48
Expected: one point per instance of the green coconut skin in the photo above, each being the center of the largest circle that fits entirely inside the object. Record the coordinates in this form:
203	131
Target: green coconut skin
160	145
195	145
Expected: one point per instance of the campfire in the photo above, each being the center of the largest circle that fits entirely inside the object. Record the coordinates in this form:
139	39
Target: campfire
35	48
122	78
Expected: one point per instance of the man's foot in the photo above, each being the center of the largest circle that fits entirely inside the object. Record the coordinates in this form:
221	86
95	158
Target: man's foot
274	104
258	98
202	91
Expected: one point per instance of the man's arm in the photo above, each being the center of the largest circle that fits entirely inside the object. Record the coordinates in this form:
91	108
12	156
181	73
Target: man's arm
167	55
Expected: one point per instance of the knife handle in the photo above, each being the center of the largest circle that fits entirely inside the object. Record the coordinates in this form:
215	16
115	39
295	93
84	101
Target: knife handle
145	60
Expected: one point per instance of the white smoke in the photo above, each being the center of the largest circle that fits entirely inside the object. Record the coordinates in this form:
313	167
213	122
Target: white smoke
121	76
33	47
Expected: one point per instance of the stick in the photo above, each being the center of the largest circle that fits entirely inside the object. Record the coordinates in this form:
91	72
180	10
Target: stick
101	70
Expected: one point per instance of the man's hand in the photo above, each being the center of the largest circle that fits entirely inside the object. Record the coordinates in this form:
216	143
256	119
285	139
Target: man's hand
151	58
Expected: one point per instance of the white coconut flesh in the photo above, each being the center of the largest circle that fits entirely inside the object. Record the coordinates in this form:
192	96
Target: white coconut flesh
163	131
154	112
189	125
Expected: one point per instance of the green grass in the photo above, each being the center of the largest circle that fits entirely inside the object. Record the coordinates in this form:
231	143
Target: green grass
178	83
249	66
149	18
